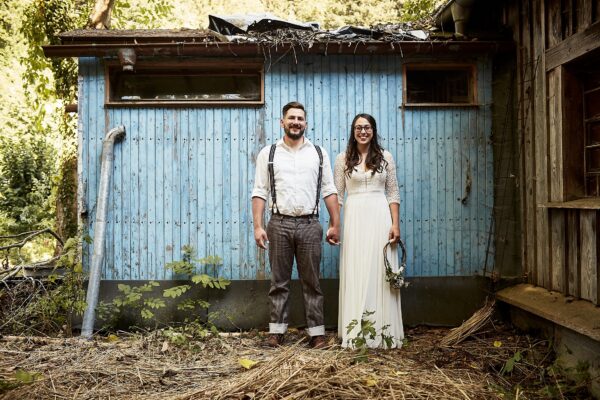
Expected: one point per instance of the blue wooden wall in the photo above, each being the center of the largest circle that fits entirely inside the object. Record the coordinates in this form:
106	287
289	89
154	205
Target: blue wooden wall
184	176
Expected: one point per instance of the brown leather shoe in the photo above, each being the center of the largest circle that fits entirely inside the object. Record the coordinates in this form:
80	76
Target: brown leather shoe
274	340
318	342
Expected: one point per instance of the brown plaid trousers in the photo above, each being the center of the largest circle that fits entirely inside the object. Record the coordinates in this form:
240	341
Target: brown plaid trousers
298	237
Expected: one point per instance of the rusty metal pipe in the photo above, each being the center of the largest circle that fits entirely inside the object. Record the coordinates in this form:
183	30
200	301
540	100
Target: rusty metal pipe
108	144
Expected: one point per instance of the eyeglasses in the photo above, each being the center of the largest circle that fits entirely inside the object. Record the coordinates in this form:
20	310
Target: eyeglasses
359	129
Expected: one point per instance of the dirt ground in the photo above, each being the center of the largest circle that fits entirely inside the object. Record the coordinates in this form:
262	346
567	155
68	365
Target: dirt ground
495	363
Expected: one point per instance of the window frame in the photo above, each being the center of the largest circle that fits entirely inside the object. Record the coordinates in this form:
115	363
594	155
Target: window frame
215	67
428	66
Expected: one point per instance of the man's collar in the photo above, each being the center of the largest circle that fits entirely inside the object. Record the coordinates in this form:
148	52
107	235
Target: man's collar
282	143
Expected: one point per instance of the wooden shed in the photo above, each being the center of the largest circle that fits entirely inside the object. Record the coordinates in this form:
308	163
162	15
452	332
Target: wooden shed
198	106
557	133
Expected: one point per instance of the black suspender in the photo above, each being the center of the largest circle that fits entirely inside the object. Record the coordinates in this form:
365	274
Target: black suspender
272	180
319	179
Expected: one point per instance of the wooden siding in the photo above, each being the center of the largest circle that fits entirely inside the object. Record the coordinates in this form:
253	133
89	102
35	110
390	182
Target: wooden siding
184	176
560	241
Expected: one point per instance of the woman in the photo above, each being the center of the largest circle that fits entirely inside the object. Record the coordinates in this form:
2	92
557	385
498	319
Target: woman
371	219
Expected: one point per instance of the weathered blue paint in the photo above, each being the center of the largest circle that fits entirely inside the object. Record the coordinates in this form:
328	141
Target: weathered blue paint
184	176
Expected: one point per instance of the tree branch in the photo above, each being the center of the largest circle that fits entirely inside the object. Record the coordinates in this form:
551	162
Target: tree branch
30	236
100	17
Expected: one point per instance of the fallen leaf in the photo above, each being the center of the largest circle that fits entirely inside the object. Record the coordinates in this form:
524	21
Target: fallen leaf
497	343
371	381
165	346
112	338
247	363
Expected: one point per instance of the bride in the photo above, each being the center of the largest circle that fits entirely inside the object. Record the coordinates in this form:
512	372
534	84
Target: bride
367	173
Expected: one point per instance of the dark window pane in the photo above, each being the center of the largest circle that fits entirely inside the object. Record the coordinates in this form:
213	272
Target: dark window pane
185	85
593	159
592	185
449	86
593	134
592	104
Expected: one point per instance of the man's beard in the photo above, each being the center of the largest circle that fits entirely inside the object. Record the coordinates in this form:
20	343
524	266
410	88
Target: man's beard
294	136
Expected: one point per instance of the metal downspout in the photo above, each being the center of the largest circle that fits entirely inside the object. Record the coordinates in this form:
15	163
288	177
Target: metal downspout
461	12
89	316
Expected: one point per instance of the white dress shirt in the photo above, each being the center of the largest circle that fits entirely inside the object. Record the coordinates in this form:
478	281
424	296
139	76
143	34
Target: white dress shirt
296	176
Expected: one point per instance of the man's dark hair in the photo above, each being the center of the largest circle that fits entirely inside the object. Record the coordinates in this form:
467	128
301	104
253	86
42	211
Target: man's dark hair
293	104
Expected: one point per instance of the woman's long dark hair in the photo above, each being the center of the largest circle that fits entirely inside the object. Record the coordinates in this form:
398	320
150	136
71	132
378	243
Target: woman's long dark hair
375	161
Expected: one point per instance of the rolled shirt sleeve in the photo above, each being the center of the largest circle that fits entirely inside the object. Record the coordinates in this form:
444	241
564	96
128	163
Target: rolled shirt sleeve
261	176
328	187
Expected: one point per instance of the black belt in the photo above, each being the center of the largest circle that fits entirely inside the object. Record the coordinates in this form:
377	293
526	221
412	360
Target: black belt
307	216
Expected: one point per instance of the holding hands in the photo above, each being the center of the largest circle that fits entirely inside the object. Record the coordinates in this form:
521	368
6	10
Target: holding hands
333	235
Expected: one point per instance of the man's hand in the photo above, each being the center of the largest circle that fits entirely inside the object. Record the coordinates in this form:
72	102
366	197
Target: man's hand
260	236
333	235
394	236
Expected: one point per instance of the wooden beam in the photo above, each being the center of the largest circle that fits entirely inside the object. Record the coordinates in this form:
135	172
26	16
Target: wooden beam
579	316
233	50
574	46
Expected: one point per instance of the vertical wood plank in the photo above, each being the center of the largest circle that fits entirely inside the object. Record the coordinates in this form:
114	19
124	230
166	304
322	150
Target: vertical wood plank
152	262
554	23
555	132
584	14
525	78
558	266
597	263
589	256
186	186
558	244
450	196
568	12
540	142
573	253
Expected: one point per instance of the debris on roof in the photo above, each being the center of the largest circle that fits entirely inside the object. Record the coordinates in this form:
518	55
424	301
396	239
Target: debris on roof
244	23
265	28
265	34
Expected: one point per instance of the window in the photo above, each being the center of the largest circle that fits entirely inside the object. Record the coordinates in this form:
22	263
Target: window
578	85
435	85
185	85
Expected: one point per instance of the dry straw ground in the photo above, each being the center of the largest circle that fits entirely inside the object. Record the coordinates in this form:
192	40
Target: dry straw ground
147	367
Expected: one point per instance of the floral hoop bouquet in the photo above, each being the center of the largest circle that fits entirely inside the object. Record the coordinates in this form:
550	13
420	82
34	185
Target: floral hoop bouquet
396	279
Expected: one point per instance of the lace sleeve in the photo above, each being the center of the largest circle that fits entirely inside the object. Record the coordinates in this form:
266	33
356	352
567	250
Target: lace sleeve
339	178
391	182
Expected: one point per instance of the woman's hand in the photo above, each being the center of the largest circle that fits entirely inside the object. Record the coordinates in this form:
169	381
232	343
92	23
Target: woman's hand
394	234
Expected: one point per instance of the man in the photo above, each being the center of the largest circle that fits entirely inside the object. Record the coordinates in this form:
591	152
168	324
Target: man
293	173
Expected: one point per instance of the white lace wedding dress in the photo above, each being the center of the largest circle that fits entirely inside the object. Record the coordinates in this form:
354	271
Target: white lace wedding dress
366	224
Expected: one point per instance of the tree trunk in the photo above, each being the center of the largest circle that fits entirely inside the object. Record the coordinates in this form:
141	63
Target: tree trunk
66	199
100	18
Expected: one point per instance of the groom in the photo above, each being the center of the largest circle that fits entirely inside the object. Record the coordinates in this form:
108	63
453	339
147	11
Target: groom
294	173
